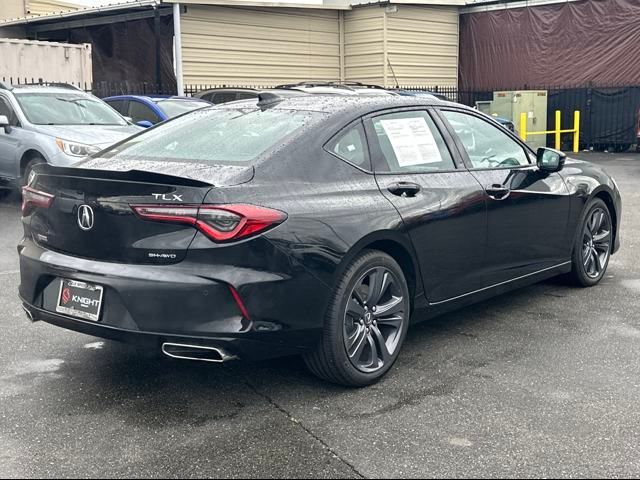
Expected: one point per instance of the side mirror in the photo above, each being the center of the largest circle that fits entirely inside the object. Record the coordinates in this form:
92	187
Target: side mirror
4	123
144	124
550	160
129	120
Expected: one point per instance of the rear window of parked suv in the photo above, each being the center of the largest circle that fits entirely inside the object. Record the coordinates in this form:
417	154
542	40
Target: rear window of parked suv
216	136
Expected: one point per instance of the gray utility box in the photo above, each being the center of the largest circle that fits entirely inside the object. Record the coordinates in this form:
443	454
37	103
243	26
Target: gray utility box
512	104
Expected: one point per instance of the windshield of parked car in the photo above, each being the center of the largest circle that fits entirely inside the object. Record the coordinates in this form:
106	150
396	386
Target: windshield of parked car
73	108
174	107
216	135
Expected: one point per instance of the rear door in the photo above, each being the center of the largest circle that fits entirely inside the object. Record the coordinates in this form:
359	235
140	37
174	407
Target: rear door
443	206
121	106
140	112
528	210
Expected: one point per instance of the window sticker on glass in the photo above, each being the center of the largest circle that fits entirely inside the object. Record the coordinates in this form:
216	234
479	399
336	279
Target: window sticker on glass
412	141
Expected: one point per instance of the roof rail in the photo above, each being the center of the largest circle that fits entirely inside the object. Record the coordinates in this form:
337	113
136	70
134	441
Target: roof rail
50	84
65	85
5	86
333	83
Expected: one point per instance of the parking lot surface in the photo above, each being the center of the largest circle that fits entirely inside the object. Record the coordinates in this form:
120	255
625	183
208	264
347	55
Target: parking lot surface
544	381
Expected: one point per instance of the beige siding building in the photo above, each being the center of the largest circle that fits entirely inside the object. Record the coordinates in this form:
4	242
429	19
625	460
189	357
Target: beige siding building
259	46
410	43
21	8
364	50
389	44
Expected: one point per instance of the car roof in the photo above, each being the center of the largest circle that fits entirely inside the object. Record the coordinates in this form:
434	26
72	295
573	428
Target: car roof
153	98
47	89
352	105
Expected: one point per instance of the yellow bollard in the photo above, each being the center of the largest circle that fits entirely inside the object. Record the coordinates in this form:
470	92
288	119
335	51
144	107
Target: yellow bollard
576	131
558	129
523	126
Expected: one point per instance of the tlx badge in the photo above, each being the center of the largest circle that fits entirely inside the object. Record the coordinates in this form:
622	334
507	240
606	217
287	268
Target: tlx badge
167	198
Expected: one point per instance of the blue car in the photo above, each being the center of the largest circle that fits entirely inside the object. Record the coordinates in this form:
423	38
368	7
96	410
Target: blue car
147	111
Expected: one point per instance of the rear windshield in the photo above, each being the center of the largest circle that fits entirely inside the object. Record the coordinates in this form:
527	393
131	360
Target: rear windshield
172	108
67	109
216	135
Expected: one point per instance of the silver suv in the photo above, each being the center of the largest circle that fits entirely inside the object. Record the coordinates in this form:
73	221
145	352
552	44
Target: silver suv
57	124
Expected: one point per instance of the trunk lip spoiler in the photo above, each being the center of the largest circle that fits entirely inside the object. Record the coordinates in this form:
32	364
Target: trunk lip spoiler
141	176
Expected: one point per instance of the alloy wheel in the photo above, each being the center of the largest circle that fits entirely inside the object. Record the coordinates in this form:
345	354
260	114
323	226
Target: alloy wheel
374	320
596	243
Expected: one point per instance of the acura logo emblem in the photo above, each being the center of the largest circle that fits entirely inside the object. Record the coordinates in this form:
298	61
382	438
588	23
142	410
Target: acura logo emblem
85	217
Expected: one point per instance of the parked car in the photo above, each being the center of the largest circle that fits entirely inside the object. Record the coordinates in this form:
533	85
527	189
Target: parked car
147	111
257	229
339	88
505	122
56	124
218	96
421	93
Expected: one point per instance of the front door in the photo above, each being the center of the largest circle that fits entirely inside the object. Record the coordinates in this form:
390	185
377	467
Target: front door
441	203
527	209
9	143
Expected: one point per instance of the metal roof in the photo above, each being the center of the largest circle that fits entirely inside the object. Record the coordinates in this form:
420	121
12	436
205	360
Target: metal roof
129	5
81	12
474	6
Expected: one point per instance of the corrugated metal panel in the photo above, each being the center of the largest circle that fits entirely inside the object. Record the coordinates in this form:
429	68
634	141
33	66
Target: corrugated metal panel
12	9
45	7
259	46
54	62
364	45
422	45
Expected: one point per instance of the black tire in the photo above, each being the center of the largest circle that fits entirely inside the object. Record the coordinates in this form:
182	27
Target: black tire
592	252
33	161
381	333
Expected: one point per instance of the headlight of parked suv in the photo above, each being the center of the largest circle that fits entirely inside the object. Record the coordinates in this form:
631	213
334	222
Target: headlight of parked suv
76	149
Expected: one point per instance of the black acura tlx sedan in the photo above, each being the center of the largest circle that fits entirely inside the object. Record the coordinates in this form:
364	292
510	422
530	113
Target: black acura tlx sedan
309	225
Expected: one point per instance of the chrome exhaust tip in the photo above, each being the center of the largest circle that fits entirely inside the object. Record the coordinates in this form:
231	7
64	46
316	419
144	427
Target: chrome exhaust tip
29	314
196	352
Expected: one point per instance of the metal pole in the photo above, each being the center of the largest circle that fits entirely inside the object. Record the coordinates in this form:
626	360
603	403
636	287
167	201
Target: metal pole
156	32
576	135
523	126
177	32
558	129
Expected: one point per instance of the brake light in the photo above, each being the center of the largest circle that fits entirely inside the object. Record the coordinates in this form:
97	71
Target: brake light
221	223
32	198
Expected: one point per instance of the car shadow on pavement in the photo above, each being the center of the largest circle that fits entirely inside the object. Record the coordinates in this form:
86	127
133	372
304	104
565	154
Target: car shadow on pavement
437	354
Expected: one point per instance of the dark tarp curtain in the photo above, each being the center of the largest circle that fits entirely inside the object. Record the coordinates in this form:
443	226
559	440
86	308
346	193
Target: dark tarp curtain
126	51
574	43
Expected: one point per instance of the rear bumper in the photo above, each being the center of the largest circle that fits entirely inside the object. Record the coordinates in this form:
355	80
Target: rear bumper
242	348
151	305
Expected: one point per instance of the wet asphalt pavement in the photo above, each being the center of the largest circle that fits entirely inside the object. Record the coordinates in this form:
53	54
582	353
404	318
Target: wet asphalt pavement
543	382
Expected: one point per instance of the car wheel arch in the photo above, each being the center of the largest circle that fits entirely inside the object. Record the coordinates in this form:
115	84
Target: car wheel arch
607	198
393	244
27	156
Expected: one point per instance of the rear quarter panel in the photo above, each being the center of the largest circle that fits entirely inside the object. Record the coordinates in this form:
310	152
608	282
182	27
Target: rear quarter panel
333	210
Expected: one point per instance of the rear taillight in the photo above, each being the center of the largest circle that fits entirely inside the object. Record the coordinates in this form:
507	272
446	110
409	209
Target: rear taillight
32	198
221	223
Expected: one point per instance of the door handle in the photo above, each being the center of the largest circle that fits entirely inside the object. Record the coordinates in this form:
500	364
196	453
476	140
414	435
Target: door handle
404	189
498	192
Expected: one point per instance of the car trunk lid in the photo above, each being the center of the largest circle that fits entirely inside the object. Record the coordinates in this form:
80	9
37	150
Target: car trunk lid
91	214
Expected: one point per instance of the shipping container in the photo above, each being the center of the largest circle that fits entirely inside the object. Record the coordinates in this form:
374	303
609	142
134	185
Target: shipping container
32	60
